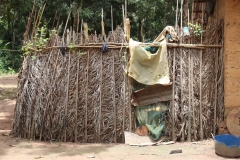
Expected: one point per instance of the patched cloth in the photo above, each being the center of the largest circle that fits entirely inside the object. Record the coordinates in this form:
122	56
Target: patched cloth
148	68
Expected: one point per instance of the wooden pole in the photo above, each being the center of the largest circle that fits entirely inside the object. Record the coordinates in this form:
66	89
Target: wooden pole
76	107
192	19
124	96
200	97
112	19
216	89
127	29
114	101
41	13
66	101
103	31
36	17
181	85
29	23
125	9
189	97
77	24
86	101
130	106
81	32
65	28
215	98
192	97
181	21
123	16
181	76
176	16
173	96
54	19
112	24
100	96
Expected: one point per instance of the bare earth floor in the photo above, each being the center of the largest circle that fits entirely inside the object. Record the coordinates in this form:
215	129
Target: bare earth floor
12	148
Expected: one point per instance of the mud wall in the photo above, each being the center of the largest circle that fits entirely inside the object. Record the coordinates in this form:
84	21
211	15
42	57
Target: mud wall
232	53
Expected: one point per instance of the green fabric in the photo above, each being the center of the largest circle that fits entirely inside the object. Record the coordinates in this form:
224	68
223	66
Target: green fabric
152	116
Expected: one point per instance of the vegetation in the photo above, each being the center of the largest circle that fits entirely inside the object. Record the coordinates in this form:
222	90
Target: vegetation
148	18
196	29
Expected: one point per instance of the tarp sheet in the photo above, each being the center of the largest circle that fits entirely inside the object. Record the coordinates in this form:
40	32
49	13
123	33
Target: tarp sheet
148	68
153	117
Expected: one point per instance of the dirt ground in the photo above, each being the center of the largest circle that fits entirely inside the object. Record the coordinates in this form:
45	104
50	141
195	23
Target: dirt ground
13	148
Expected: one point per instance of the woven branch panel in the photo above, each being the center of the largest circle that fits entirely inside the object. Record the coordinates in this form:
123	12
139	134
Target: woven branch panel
198	82
81	98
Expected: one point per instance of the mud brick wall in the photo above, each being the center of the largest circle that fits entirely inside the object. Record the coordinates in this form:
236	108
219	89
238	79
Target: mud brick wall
232	54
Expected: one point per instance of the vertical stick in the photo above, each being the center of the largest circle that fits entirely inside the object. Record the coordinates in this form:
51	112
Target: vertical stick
181	84
176	16
201	127
114	103
192	96
57	23
103	30
129	105
76	107
35	22
112	19
41	14
54	19
202	25
86	101
66	102
81	32
102	14
124	97
77	26
200	97
173	96
216	88
127	29
192	12
100	105
189	40
65	27
125	9
181	76
181	20
112	24
192	19
189	97
123	16
29	23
